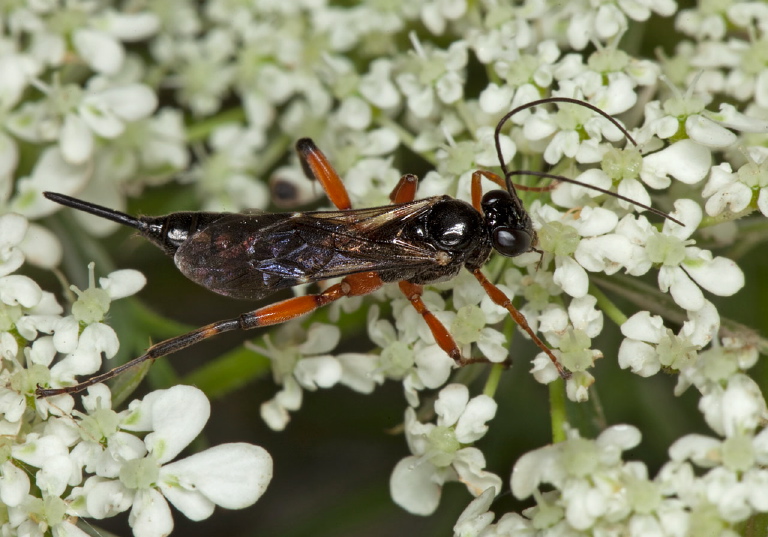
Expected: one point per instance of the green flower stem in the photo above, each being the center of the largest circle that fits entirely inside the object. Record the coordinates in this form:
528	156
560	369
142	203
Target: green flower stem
557	410
608	307
492	382
199	131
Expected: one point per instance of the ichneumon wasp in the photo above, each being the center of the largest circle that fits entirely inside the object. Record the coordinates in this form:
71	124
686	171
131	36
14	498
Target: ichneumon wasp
413	242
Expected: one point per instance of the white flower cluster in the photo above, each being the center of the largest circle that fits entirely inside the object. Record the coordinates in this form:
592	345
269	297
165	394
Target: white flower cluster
708	487
102	99
60	464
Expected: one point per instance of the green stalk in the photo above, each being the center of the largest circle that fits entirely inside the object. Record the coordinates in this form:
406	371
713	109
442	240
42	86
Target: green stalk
557	411
608	307
492	383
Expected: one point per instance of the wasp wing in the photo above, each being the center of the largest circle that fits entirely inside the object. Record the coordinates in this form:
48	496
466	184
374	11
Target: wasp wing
251	255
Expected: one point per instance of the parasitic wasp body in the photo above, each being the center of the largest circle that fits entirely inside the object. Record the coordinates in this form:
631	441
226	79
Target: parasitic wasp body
413	242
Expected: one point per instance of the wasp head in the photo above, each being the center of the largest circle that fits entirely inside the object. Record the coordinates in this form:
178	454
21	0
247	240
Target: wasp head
508	224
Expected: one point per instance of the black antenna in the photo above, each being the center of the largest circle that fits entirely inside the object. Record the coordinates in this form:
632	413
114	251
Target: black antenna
508	174
98	210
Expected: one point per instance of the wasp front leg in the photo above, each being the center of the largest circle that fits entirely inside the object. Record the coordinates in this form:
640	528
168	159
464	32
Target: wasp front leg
500	299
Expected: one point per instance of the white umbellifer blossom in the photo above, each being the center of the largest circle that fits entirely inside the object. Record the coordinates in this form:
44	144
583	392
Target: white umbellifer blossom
307	366
133	474
101	100
439	454
98	463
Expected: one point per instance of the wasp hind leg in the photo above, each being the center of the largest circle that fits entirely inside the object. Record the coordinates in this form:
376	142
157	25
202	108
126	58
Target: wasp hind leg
353	285
316	166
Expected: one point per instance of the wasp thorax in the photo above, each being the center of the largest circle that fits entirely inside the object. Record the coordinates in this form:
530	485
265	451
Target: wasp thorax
453	224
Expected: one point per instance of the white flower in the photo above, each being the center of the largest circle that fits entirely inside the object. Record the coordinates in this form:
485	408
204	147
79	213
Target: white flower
99	45
593	486
230	475
650	345
610	19
717	275
225	177
735	481
377	87
83	336
405	355
739	192
436	14
439	457
432	73
307	366
204	69
718	363
563	127
748	78
636	246
735	408
12	230
686	115
75	116
51	172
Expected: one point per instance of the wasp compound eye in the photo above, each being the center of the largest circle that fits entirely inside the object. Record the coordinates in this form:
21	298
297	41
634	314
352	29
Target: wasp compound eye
511	242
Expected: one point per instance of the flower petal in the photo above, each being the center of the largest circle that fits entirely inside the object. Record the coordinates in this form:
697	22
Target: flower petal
99	50
708	133
150	516
472	423
685	160
178	416
571	277
721	276
412	487
450	404
233	476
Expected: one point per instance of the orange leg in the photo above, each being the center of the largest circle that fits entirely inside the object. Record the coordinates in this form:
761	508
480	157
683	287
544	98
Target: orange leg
316	166
404	192
353	285
502	300
442	336
477	189
405	189
476	176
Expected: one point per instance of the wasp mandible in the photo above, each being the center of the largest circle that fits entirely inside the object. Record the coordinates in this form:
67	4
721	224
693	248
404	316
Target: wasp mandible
413	242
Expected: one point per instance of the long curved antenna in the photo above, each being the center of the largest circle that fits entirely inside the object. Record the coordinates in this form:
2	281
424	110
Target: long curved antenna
596	188
548	100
